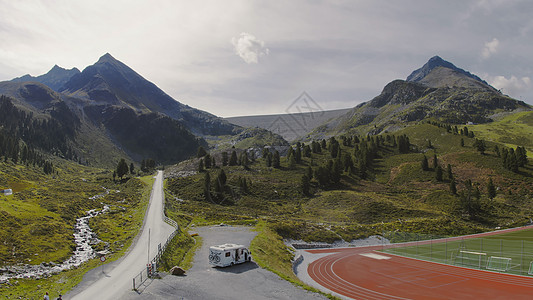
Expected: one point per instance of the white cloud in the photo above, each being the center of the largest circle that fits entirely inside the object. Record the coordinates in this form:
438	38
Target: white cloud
490	48
249	48
512	86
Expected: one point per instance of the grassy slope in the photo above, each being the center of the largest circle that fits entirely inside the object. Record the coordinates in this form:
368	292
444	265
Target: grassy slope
399	193
46	208
513	130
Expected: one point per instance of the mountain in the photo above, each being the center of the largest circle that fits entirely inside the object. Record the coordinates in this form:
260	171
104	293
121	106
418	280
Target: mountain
32	95
438	91
111	82
437	62
108	112
55	78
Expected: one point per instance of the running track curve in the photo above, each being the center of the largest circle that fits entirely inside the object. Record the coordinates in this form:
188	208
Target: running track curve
362	273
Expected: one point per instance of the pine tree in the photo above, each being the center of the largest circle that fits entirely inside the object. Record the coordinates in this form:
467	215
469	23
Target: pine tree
276	160
307	151
438	173
298	155
292	162
491	189
305	185
122	168
403	144
480	146
449	171
207	186
201	166
348	163
244	160
201	152
336	171
207	161
453	187
424	163
233	158
222	177
435	162
268	159
321	175
224	158
219	188
462	142
132	168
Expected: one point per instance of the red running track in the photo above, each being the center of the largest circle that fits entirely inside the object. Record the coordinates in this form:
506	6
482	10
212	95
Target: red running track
363	273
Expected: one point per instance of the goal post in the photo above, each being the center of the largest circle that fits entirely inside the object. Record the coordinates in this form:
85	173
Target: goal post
500	264
470	258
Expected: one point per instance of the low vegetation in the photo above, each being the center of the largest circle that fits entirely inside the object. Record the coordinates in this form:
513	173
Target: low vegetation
371	185
40	215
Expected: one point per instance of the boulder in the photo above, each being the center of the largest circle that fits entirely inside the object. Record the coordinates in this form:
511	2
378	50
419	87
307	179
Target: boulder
177	271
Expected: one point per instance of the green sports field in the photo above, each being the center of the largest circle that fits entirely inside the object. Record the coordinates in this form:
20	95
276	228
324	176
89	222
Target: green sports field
510	252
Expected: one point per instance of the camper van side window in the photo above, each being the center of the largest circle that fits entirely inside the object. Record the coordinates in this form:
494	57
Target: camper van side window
228	254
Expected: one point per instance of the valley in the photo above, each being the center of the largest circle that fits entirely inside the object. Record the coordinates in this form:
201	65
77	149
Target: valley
442	154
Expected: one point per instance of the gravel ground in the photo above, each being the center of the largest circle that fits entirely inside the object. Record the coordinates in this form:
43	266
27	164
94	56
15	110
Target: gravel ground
202	281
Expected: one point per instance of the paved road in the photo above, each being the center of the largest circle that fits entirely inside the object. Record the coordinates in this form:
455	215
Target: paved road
202	281
117	279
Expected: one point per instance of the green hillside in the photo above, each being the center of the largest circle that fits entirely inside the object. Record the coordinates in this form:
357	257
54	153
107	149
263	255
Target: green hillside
513	130
394	193
39	218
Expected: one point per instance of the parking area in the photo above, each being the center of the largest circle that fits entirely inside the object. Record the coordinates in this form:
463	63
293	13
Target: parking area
202	281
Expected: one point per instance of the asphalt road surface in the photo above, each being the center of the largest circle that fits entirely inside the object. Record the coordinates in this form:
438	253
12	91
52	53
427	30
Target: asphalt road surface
202	281
115	279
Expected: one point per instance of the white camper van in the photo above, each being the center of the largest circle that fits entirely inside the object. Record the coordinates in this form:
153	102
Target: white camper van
228	255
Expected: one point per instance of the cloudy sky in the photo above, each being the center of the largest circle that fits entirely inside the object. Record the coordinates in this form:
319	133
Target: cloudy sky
256	57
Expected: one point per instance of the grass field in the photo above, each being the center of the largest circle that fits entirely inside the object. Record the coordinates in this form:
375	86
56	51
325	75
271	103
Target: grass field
507	252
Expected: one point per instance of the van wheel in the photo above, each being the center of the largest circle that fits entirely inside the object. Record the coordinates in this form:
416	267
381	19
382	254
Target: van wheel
231	264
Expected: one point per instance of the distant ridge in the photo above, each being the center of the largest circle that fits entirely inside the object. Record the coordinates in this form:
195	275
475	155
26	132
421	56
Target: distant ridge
54	79
289	126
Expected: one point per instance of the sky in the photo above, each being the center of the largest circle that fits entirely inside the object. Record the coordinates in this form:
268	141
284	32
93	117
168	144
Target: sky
234	58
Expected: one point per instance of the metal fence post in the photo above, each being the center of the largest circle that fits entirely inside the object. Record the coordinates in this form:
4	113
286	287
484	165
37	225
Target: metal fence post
430	247
521	256
446	250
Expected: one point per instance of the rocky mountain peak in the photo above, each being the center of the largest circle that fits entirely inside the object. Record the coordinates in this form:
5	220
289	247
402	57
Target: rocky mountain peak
437	62
55	78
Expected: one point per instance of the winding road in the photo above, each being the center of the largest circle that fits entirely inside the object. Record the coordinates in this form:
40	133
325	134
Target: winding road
115	279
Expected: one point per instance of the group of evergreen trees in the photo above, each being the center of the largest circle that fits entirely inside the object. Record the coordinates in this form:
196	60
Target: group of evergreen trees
513	159
453	129
20	153
272	159
50	135
219	191
357	161
206	161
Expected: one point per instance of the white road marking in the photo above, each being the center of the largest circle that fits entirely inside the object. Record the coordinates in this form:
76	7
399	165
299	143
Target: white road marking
375	256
